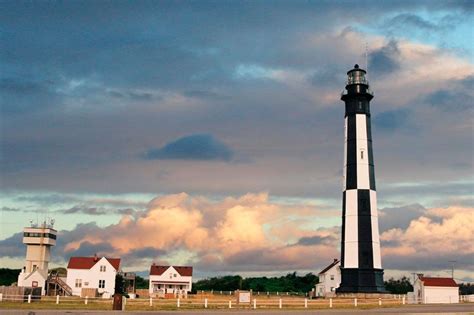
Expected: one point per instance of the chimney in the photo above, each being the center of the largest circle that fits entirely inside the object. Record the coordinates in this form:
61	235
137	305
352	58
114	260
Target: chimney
95	257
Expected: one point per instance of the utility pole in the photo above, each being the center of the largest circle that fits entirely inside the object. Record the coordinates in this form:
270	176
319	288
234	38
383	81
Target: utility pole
452	267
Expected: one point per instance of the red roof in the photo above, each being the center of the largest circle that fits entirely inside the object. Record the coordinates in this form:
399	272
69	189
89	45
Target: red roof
438	282
89	262
183	271
335	262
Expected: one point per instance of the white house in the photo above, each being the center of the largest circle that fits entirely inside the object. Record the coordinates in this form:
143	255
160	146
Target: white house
329	279
170	281
92	273
435	290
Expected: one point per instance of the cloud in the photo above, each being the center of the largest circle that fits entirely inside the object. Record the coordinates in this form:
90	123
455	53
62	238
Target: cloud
392	119
399	217
385	60
429	241
85	209
194	147
214	235
458	97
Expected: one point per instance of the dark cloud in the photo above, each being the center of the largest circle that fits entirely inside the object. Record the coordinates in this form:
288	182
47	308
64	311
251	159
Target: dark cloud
384	60
194	147
399	217
457	96
86	209
21	95
9	209
392	120
12	246
316	240
137	96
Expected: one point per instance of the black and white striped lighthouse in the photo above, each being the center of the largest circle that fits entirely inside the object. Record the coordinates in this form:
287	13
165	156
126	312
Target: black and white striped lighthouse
361	267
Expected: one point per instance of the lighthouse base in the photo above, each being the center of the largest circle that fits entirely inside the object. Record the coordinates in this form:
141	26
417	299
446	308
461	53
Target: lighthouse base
357	280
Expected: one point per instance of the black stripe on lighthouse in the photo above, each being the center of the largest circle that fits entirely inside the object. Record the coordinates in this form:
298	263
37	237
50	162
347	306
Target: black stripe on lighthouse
364	226
343	227
371	154
351	176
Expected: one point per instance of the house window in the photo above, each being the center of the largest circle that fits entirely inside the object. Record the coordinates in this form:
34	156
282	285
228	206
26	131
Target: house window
332	277
102	268
175	275
78	283
101	284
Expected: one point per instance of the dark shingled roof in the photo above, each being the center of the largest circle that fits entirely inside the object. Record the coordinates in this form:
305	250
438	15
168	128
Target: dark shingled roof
184	271
335	262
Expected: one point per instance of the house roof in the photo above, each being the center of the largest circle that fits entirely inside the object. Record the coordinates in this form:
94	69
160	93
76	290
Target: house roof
184	271
89	262
335	262
438	282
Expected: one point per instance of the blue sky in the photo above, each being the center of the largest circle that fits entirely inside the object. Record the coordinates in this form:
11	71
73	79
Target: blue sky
107	105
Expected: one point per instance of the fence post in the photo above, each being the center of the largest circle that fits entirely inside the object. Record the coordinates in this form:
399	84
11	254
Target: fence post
205	303
305	303
57	299
355	302
151	301
29	298
254	304
330	303
178	304
230	304
85	301
278	293
1	297
124	302
403	300
380	302
280	303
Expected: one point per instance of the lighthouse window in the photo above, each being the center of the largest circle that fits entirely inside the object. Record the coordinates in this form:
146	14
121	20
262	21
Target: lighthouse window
361	154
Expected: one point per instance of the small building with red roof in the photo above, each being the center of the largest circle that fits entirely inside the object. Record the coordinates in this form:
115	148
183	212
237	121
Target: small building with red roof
93	274
429	290
170	281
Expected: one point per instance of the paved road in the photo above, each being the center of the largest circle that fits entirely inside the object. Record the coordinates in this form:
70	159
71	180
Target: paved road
409	309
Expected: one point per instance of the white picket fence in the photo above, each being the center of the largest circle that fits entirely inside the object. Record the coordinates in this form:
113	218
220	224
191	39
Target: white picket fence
230	302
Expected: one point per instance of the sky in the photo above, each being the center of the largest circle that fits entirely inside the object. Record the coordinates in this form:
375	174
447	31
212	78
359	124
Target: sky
210	133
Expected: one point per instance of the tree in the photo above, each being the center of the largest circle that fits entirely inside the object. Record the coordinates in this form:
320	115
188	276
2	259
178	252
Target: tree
400	286
289	283
141	283
8	276
466	289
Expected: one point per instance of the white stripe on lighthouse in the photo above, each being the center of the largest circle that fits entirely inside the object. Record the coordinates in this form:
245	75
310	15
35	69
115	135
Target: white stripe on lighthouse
375	230
351	247
362	154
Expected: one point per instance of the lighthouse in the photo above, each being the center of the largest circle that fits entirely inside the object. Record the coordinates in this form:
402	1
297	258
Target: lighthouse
361	266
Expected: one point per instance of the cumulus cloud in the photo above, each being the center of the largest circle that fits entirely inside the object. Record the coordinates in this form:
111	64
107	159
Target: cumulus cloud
193	147
435	236
209	234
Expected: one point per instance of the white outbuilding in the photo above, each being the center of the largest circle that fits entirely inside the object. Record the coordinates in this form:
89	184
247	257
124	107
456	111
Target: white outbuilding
92	273
170	281
435	290
329	279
